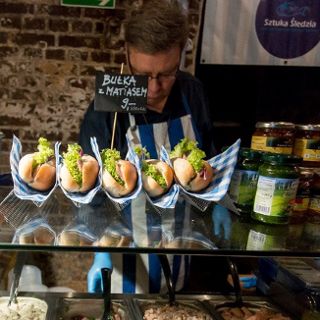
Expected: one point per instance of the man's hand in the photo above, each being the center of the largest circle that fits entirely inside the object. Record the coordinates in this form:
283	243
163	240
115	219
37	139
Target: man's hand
94	279
222	221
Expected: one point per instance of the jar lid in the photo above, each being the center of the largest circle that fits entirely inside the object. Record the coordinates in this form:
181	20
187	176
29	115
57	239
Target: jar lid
250	154
308	127
278	158
275	125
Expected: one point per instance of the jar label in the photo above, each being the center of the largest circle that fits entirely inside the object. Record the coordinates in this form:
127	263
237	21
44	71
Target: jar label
261	241
308	149
256	240
275	196
243	186
272	144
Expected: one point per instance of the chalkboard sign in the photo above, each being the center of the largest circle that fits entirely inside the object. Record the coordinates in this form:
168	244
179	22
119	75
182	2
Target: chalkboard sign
121	93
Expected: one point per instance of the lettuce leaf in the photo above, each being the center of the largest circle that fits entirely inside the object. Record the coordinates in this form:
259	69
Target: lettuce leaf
45	152
188	149
109	160
142	152
195	158
71	160
151	170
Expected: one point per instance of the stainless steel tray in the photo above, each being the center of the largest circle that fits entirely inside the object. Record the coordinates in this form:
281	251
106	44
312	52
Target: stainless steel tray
70	308
204	302
140	303
49	299
252	303
57	301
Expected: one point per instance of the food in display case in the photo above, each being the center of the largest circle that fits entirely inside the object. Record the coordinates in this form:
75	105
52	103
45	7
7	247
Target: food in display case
35	231
119	177
91	309
157	175
276	137
115	236
314	205
277	188
244	180
307	144
190	168
79	171
26	308
38	169
302	200
72	238
38	236
247	313
180	311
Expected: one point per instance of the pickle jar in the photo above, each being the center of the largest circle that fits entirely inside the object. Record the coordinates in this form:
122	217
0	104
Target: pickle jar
301	203
277	188
244	179
267	237
314	205
307	144
276	137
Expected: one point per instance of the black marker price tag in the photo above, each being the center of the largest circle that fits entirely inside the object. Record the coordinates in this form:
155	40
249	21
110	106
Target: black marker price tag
121	93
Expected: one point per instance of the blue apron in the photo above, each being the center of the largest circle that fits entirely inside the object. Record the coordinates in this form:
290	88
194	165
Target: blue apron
142	273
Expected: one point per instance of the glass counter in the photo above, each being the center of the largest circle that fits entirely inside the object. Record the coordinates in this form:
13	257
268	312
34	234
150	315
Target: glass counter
61	225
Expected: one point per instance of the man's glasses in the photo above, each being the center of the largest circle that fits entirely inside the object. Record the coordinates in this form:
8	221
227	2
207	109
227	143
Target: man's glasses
161	77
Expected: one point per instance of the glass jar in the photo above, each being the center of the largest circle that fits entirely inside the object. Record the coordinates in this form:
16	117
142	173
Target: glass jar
267	237
277	188
301	203
276	137
307	144
314	205
244	180
315	188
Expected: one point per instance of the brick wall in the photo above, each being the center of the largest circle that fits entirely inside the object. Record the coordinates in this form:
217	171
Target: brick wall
48	58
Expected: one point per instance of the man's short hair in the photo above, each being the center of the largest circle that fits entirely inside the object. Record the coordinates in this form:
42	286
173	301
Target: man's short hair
156	26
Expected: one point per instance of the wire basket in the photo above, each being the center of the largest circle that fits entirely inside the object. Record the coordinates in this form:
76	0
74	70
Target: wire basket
17	212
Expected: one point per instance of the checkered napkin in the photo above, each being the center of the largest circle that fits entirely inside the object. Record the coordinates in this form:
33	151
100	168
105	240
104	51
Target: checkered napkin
224	164
123	201
169	199
21	189
79	197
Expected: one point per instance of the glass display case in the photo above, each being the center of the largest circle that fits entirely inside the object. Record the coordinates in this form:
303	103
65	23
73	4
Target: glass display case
61	225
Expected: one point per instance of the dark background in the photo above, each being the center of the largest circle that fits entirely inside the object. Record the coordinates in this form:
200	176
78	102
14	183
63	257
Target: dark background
240	96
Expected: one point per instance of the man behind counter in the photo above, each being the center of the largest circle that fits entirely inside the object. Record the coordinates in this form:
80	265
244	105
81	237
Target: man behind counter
155	36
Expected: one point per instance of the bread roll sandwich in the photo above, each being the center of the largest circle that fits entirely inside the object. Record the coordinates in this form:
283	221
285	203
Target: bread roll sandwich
38	169
190	170
39	236
79	171
71	238
157	176
119	177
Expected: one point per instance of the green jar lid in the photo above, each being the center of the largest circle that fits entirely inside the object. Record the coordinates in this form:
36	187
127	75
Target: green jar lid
278	158
250	154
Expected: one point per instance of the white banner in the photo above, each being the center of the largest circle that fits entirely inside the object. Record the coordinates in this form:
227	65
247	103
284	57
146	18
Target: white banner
261	32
